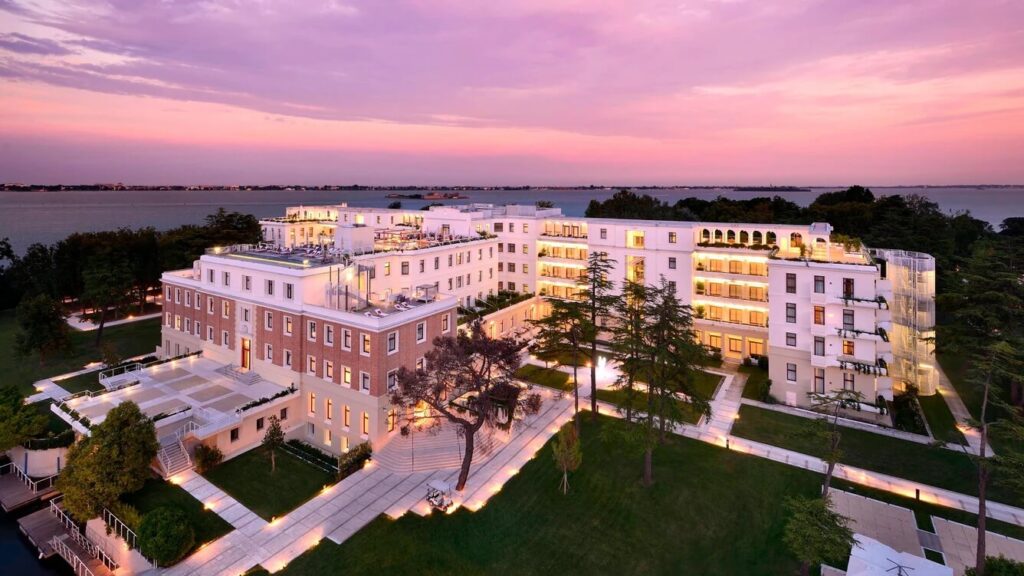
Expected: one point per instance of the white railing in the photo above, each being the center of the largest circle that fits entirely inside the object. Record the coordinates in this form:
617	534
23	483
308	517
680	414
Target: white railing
77	564
62	516
79	537
165	462
181	445
35	485
120	528
190	426
118	371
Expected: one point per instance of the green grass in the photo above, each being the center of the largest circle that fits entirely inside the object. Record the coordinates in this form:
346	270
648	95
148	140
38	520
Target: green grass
249	480
618	397
129	339
545	377
159	493
938	467
54	424
566	358
710	511
756	378
940	419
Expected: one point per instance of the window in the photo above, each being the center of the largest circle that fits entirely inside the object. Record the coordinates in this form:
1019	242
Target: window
755	347
757	269
392	415
735	267
328	371
819	380
245	314
259	424
268	320
311	330
364	381
328	437
227	278
392	380
311	364
209	333
288	358
405	268
209	276
511	266
312	402
387	268
819	315
234	434
328	334
819	284
671	263
346	416
289	291
421	332
421	363
847	319
604	233
365	348
790	283
735	345
715	340
199	329
209	305
224	339
499	227
269	287
790	339
446	322
346	375
246	283
268	353
225	309
847	287
366	424
284	414
346	339
288	325
330	409
672	237
790	313
848	347
791	372
392	342
848	381
819	346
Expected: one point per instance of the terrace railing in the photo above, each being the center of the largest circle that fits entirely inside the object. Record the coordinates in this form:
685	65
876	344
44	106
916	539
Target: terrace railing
78	566
34	484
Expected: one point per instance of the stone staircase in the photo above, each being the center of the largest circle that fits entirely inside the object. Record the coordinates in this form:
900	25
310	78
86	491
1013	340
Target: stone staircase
237	373
433	449
173	457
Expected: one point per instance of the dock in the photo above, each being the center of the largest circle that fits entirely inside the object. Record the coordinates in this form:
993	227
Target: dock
40	527
15	492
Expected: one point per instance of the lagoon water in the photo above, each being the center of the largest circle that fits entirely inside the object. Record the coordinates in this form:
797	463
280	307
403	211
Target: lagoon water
28	217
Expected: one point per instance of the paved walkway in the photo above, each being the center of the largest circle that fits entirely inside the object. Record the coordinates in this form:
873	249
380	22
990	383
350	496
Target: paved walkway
341	510
78	323
961	413
891	525
960	544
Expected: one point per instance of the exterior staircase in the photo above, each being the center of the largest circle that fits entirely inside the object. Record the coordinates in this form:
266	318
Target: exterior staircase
173	456
238	373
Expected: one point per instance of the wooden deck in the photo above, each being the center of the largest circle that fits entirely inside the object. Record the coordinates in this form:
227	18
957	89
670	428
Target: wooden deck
40	527
14	493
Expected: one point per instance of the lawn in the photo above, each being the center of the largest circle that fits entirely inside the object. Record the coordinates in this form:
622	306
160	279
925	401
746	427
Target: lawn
129	339
939	467
249	480
545	377
618	397
756	379
940	419
710	511
158	493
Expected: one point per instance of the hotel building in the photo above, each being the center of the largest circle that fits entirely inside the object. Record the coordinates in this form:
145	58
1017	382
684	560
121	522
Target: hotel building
337	298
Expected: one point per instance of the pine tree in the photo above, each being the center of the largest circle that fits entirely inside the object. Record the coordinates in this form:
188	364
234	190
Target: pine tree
596	294
273	440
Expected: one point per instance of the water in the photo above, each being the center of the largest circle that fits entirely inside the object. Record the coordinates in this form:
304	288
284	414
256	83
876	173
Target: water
18	556
28	217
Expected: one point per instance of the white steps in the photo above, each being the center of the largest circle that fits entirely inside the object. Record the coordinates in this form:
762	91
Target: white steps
173	457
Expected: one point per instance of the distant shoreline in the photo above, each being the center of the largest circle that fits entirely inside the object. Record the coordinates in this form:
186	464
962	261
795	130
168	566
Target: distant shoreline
15	187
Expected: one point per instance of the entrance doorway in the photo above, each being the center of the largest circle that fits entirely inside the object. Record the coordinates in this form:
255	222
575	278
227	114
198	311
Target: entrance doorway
246	353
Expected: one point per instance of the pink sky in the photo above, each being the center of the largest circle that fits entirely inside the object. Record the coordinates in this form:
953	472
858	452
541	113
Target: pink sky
503	92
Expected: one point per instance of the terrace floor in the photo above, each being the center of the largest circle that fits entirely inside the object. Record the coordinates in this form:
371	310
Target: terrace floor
194	382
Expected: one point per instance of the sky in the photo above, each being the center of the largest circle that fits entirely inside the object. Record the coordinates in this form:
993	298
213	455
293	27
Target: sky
565	92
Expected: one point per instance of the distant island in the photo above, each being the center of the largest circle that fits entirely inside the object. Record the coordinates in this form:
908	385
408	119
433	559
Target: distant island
413	191
430	196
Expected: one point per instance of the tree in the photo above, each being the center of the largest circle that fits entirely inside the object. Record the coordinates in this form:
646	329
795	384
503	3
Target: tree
470	382
544	204
107	286
627	340
165	535
561	333
567	454
596	294
827	429
273	440
396	205
815	533
42	327
18	421
113	460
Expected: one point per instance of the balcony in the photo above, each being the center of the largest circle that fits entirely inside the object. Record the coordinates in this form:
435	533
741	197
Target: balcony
878	302
559	237
879	334
879	368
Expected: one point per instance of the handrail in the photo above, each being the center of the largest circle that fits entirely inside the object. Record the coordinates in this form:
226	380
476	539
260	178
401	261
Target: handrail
119	527
78	565
79	537
63	516
35	485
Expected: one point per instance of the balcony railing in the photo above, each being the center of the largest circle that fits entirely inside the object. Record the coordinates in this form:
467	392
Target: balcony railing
854	333
879	368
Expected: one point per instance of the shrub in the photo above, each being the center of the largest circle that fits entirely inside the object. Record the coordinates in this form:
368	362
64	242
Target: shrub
165	535
62	440
207	457
354	460
314	455
128	514
905	413
999	566
762	363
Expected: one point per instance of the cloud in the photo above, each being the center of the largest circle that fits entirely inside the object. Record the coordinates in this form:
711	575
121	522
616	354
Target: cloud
22	44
